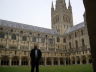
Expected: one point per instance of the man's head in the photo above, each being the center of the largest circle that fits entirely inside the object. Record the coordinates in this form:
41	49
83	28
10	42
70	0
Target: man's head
35	46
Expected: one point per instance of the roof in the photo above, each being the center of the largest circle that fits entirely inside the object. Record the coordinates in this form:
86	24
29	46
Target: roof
76	27
27	27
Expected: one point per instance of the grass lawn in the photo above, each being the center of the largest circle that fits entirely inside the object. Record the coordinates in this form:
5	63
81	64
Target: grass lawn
71	68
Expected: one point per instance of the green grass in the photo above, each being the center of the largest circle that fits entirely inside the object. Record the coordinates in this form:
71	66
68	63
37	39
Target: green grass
71	68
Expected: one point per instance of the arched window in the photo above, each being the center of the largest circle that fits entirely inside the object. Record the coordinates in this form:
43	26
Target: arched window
15	60
2	46
42	40
58	39
24	38
57	18
50	41
2	35
11	30
64	40
70	45
1	28
21	32
65	18
5	60
76	42
30	33
34	39
13	36
83	43
24	61
69	21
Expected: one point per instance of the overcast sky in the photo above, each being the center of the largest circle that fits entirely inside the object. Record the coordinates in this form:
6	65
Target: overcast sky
36	12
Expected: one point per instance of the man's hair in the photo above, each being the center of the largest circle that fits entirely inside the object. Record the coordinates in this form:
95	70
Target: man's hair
35	46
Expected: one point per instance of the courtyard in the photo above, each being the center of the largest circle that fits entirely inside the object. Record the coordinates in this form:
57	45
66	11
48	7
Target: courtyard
71	68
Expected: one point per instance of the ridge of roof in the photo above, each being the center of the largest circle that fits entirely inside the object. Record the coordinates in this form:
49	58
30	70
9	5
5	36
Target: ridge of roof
27	27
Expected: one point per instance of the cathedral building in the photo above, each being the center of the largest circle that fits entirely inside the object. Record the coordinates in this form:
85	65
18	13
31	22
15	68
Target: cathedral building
64	44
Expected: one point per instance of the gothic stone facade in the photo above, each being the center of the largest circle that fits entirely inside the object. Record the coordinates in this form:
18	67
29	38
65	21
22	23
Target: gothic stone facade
64	44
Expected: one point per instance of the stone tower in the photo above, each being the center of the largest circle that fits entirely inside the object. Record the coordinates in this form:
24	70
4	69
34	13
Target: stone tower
61	16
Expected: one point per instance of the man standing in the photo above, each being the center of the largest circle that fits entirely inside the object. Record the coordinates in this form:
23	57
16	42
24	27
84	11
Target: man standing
35	58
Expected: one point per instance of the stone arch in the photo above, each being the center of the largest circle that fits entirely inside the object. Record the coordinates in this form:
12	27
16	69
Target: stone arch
55	61
4	60
61	61
90	58
84	59
48	61
78	59
15	60
67	60
73	60
24	60
42	61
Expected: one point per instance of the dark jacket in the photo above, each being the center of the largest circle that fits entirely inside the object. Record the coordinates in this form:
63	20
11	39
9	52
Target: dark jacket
35	60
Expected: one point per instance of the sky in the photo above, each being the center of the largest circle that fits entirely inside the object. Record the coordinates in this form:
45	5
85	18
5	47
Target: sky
36	12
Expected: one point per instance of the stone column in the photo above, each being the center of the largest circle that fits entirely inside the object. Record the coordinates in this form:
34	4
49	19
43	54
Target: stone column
71	61
58	61
87	60
52	61
45	61
80	60
10	61
29	62
65	62
0	60
20	61
75	60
